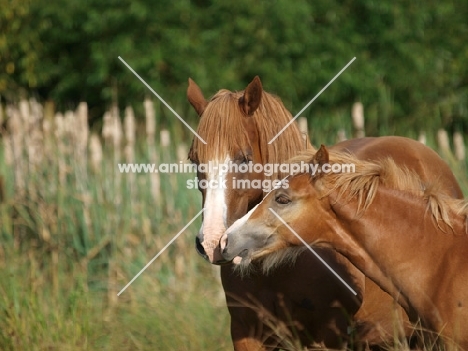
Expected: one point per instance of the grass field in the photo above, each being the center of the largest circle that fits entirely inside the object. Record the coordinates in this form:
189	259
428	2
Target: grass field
74	231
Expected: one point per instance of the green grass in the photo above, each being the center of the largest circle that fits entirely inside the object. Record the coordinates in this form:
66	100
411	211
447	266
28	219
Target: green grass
35	316
70	244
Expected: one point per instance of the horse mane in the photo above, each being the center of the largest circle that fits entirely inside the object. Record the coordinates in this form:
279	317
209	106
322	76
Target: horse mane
364	182
222	128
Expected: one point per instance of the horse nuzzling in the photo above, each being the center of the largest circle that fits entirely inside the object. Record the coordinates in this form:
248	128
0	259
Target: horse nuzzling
302	295
407	235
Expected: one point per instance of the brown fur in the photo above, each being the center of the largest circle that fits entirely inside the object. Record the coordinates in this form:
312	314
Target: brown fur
230	134
228	127
364	183
377	218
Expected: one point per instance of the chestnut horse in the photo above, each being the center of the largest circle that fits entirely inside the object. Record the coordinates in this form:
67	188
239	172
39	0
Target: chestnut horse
406	235
314	305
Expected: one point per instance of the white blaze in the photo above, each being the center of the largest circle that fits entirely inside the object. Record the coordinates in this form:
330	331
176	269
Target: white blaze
215	214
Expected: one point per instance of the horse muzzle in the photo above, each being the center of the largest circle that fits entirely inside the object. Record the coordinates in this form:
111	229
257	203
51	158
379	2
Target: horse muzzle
218	259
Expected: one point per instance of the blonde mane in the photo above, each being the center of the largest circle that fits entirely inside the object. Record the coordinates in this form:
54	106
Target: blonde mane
222	128
364	182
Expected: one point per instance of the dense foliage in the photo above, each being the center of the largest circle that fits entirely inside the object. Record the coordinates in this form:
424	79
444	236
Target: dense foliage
411	69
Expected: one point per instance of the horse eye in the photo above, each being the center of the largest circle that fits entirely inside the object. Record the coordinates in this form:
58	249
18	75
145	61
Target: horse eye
246	159
282	200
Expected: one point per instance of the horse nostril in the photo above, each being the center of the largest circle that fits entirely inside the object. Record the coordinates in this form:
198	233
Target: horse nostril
200	249
223	243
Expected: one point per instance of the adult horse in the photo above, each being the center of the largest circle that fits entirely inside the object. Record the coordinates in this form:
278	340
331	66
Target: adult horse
237	127
376	217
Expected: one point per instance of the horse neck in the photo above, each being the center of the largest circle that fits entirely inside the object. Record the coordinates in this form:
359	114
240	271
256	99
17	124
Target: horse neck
388	239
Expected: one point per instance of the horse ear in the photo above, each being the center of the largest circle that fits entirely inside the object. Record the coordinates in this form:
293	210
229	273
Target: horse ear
195	97
321	156
252	97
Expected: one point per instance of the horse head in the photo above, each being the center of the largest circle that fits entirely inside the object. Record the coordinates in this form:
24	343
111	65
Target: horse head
237	127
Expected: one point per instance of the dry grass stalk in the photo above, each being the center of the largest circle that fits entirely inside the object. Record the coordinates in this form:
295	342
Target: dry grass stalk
47	130
117	131
117	136
357	113
24	113
182	152
82	124
153	157
8	149
130	130
303	127
129	151
150	117
47	126
165	138
80	138
443	141
16	130
107	128
69	126
81	130
35	147
59	129
112	134
36	111
422	137
341	135
459	146
36	135
95	152
60	133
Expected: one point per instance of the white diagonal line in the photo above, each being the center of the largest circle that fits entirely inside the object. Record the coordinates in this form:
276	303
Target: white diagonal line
162	100
311	101
160	252
312	250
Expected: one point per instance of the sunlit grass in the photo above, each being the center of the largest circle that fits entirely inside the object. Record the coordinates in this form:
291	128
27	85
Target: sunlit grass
72	239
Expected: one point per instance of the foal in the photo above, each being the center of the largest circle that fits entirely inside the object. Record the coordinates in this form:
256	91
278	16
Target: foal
408	237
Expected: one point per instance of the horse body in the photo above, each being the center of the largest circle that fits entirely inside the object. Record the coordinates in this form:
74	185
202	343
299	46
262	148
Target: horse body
237	128
403	234
289	304
434	280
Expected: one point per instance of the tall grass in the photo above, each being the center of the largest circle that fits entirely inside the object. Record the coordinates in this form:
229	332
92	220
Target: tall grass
74	231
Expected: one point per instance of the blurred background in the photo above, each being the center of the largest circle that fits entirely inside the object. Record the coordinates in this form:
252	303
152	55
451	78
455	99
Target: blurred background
74	231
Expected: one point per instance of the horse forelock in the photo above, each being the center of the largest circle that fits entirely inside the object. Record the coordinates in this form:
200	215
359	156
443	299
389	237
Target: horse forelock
221	126
369	175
